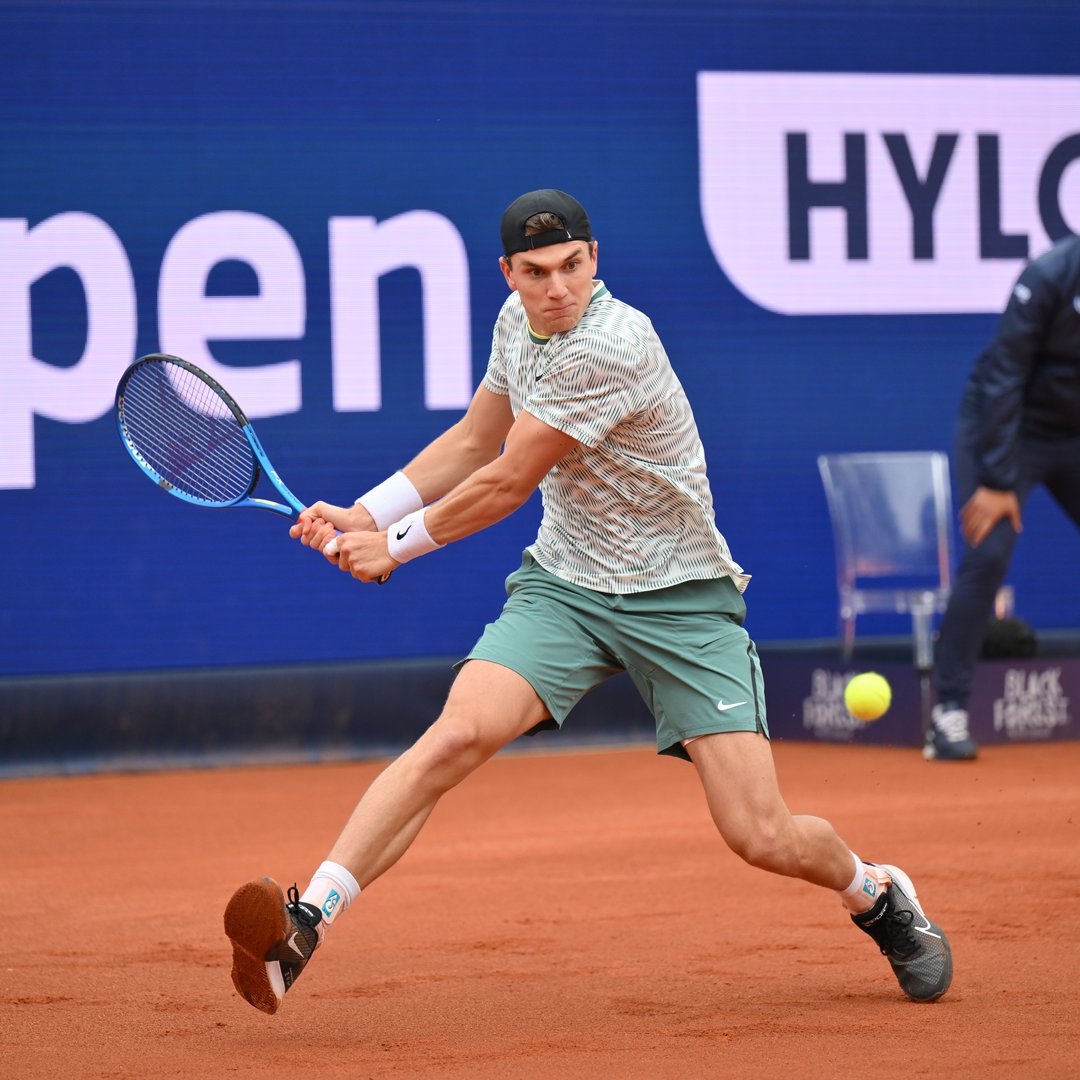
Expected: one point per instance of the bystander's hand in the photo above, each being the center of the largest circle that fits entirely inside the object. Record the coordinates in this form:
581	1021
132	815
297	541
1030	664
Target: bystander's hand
984	510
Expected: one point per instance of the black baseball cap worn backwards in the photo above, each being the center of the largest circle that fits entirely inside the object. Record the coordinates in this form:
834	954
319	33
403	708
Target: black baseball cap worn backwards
546	200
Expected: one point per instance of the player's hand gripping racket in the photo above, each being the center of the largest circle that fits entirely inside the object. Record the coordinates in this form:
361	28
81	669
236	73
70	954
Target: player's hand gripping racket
187	433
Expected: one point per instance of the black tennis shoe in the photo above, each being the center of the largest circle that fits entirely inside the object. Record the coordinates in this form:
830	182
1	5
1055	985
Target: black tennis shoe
272	939
917	949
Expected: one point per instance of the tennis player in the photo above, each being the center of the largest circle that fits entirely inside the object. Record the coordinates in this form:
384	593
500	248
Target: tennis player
628	573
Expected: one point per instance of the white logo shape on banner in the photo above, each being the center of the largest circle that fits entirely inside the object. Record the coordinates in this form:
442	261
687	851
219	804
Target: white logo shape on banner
858	193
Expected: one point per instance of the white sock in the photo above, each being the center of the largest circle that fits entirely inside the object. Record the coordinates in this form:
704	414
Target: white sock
332	890
865	887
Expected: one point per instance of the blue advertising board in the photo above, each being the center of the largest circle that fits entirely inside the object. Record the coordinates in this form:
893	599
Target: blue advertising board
821	208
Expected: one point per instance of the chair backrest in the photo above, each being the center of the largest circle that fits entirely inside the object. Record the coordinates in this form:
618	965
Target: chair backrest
891	515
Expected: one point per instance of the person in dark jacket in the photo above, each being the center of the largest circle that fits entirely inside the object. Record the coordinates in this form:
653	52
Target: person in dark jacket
1019	427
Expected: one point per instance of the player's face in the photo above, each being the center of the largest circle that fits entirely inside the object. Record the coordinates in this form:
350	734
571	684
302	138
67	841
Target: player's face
555	284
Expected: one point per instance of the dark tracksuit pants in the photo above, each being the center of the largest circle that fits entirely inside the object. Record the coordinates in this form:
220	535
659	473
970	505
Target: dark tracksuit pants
1052	463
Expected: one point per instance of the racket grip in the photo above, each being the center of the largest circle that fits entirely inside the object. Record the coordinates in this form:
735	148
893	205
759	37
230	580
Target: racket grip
332	549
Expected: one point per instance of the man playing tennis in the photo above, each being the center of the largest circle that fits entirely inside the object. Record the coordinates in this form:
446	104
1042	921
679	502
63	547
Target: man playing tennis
628	573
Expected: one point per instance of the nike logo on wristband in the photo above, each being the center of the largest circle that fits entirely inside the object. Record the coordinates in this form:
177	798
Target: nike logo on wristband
403	534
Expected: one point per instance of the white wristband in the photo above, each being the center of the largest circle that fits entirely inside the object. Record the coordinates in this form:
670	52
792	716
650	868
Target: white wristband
390	500
408	538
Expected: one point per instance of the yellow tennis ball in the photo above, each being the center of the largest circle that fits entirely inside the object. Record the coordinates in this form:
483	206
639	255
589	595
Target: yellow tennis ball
868	696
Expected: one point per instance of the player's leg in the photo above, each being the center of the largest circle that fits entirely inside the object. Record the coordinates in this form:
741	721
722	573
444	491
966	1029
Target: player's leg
700	674
529	668
737	772
274	936
739	779
698	670
488	707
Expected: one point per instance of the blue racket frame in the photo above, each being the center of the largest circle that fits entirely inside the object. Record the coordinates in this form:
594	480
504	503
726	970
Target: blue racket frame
261	464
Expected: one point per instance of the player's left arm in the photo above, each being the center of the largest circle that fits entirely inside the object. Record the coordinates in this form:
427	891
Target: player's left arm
496	490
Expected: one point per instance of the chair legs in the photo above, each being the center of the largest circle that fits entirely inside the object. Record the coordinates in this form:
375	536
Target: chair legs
922	631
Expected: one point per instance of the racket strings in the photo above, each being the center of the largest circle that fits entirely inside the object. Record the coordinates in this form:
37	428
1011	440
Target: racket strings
187	434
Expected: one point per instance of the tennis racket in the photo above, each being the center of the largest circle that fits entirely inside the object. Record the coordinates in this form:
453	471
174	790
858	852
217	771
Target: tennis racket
187	433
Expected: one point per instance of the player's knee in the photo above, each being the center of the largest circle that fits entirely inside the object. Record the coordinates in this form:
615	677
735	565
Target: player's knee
763	846
449	750
450	742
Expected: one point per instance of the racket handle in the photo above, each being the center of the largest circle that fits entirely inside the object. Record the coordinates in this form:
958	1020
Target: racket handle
332	549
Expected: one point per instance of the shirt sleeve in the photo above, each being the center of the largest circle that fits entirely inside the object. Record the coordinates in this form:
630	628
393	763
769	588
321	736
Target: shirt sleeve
590	386
495	378
1006	366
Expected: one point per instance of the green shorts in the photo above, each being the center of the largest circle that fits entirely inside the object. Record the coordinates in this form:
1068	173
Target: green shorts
684	647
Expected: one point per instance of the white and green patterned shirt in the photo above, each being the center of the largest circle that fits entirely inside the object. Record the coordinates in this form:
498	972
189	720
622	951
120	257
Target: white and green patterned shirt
629	508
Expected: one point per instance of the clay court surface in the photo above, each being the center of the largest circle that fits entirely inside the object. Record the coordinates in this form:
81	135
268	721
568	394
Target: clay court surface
562	916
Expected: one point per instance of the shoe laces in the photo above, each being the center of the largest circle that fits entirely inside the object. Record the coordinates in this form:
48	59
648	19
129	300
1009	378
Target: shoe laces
298	910
953	724
897	937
